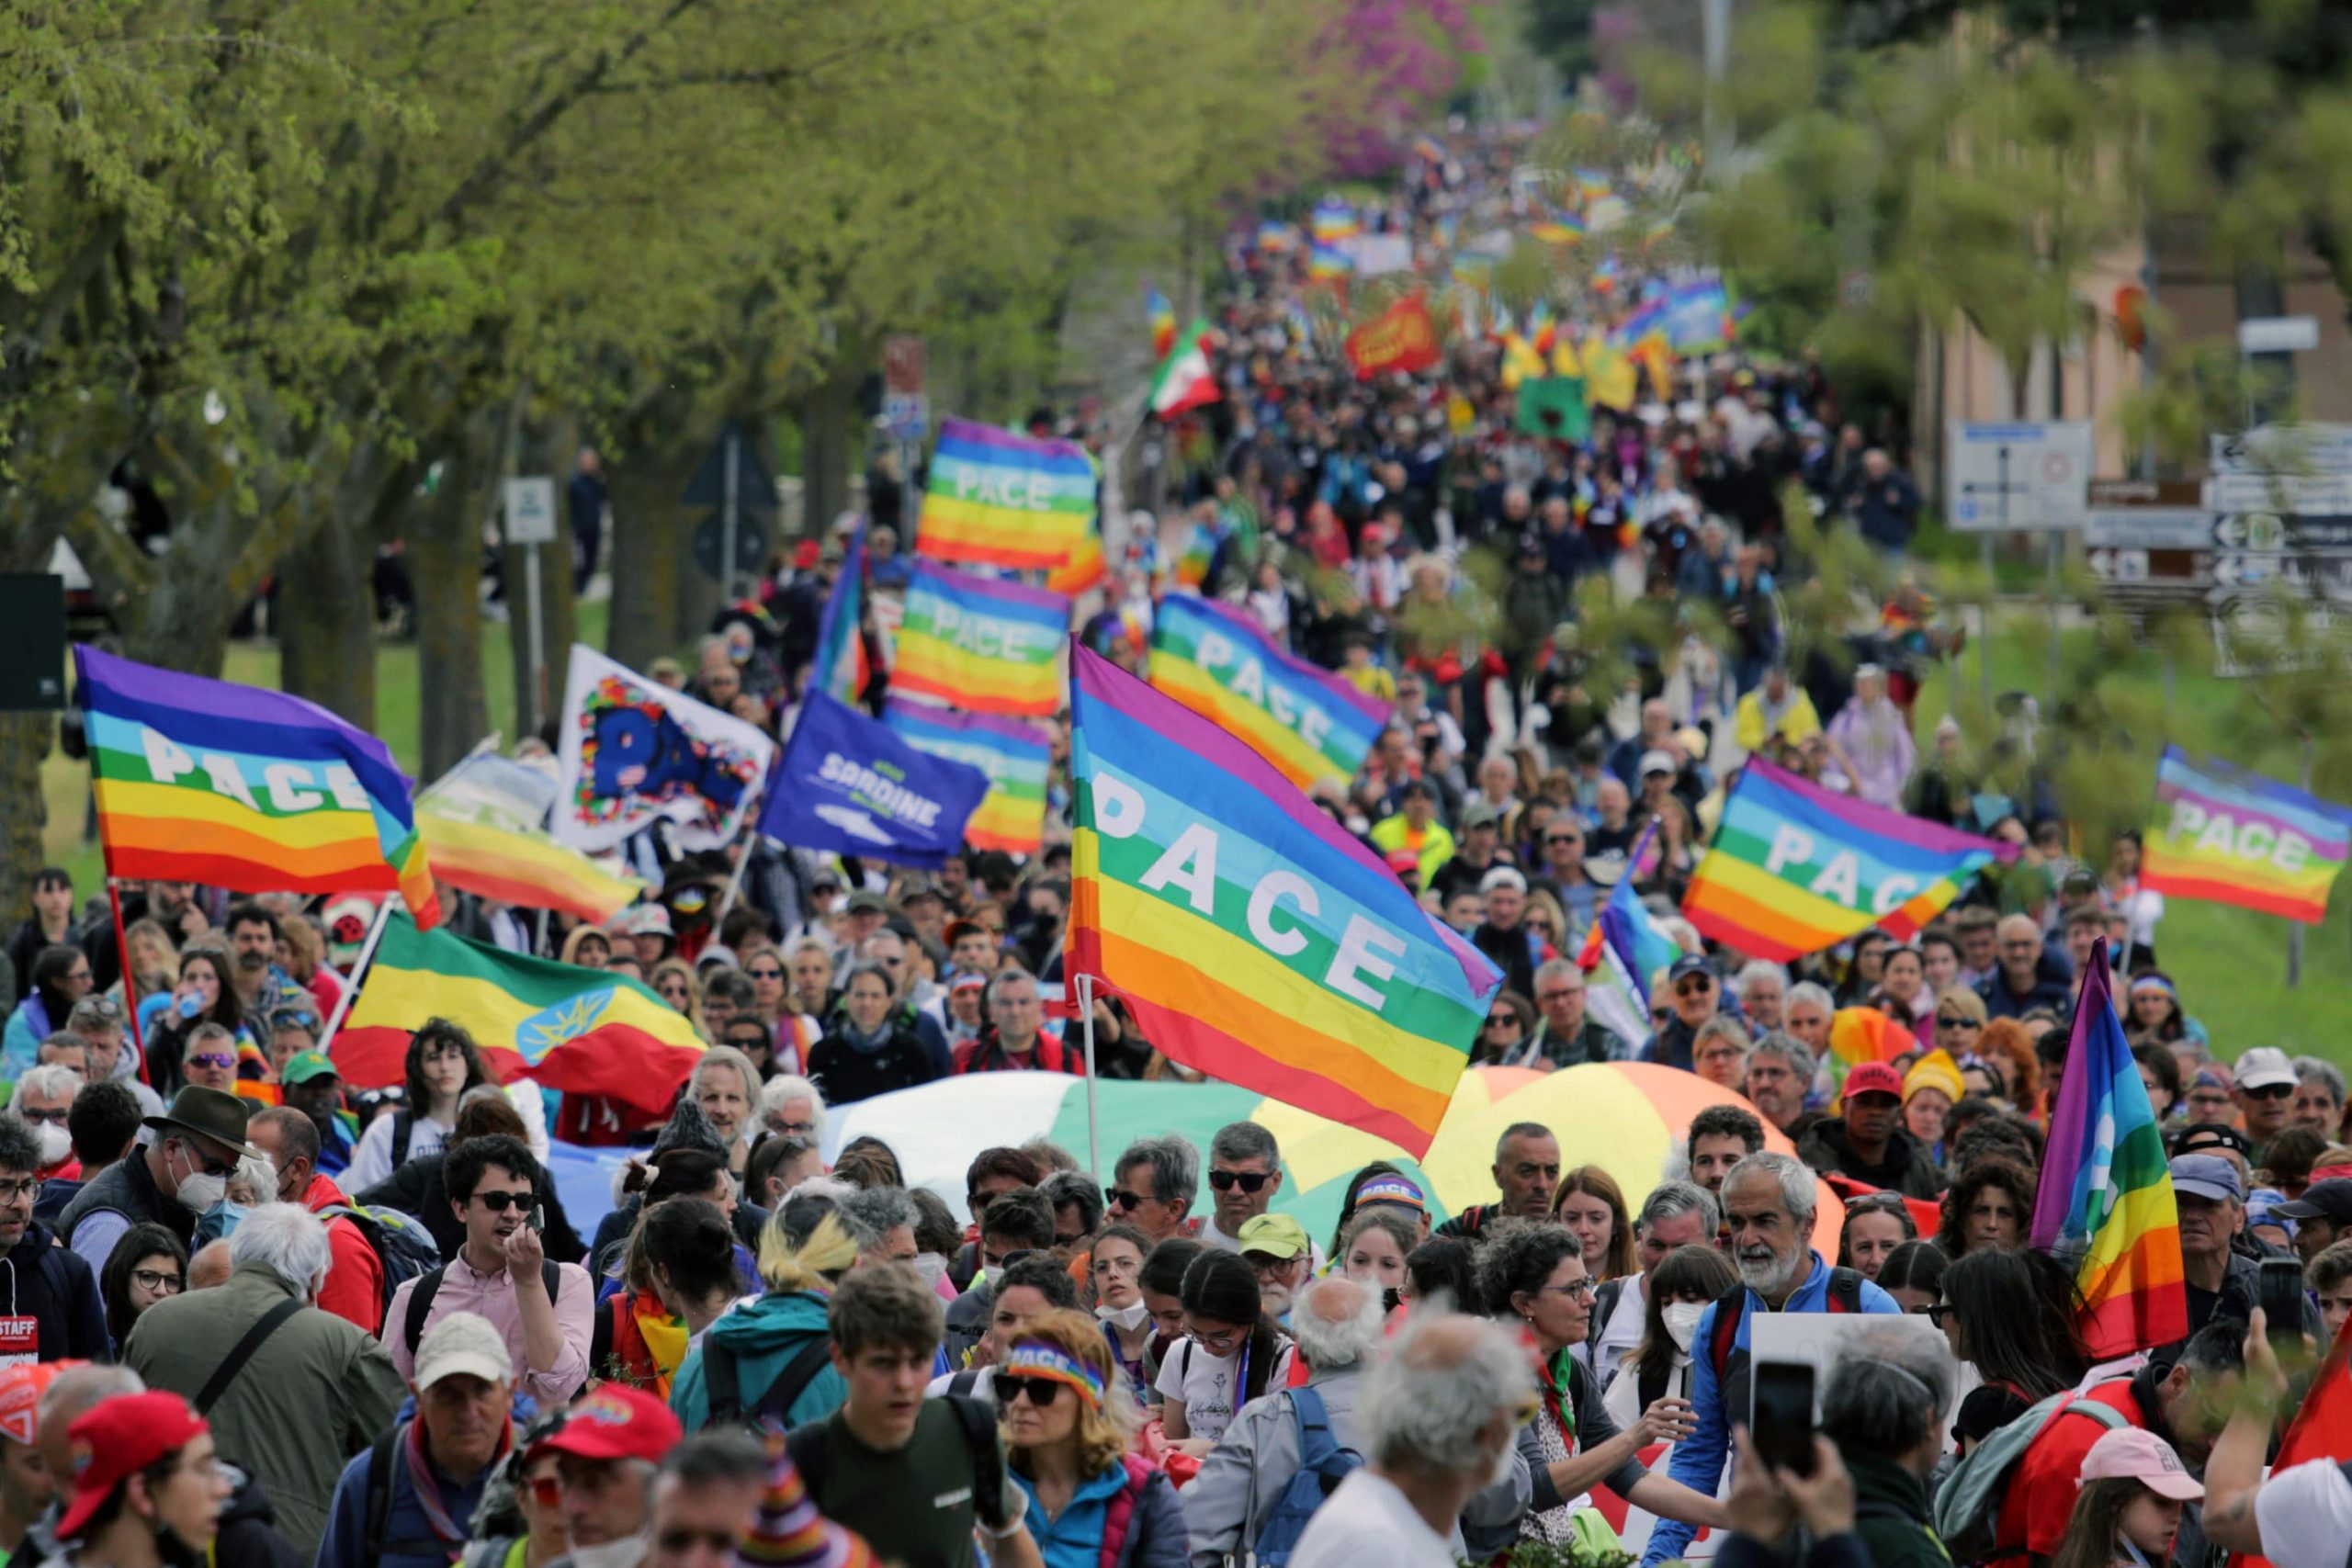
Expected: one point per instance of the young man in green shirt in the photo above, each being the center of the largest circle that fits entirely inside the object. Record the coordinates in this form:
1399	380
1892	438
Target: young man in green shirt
916	1477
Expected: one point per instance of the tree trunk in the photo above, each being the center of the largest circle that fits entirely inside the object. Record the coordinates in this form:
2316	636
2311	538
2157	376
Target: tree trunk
446	560
187	615
326	621
652	549
26	540
829	447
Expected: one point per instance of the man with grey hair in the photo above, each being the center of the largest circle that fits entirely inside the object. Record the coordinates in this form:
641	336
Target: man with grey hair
792	1107
2319	1097
1568	1036
1761	986
1014	1039
1676	1214
292	1392
1078	1207
43	1101
881	1220
1154	1185
1245	1172
1769	1204
1886	1405
1806	1013
1780	1072
1438	1417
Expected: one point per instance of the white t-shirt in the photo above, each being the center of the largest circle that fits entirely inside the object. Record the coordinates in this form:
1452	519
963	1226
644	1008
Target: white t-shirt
1368	1520
1621	1336
1207	1384
2305	1514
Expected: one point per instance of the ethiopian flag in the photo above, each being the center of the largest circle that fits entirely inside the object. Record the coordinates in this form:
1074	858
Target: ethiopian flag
574	1030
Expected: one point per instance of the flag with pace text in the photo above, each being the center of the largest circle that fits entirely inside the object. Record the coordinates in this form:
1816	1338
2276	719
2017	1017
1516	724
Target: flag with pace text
1014	755
1250	937
997	498
987	646
1309	723
2230	837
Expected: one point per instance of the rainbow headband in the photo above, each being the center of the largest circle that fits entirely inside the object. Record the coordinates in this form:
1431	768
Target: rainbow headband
1392	1190
1036	1358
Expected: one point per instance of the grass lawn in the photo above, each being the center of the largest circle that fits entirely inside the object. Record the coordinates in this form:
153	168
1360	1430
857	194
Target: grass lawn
2231	964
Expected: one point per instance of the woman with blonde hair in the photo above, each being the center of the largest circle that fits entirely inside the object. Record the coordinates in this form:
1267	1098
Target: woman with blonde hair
672	980
769	1357
1068	1423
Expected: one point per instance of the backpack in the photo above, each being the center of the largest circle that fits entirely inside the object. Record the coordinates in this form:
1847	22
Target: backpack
722	1381
1731	1310
1322	1465
1968	1503
1121	1515
403	1245
806	1446
382	1459
428	1285
403	1129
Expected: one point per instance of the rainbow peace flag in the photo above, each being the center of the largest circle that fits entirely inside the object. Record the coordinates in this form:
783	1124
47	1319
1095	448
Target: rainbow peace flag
1251	936
840	669
1621	951
1327	262
1161	315
985	645
1795	868
522	867
576	1030
1558	227
1014	753
997	499
2106	1201
207	781
1307	722
2230	837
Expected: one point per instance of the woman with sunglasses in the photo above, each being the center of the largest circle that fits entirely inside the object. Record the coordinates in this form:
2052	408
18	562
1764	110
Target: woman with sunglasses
1535	1273
673	981
146	1266
2011	1314
1503	1037
1232	1352
1875	1224
1067	1424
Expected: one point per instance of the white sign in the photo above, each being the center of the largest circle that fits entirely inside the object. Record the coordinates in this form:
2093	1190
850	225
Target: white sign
530	512
2301	494
2277	334
2283	449
2020	475
1376	254
1816	1339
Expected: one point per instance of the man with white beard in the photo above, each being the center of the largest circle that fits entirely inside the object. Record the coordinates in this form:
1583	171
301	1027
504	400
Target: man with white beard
1767	1203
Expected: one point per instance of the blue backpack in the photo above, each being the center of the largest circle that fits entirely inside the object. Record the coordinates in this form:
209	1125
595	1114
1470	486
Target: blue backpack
1322	1465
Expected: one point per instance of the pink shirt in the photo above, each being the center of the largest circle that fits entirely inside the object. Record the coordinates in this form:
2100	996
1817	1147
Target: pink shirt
492	1295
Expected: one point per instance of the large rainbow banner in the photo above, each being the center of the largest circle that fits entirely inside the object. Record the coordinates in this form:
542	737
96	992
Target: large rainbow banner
2106	1201
1251	938
984	646
2231	837
1307	722
1795	868
207	781
997	499
1014	753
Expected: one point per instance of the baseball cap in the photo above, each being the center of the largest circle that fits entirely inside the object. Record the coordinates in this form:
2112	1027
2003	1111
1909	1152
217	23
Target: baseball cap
2264	1067
1658	763
2206	1176
867	904
650	919
2211	1135
1689	964
2134	1453
462	1342
1277	1235
1873	1077
304	1066
969	980
1478	814
115	1439
21	1387
1502	877
2330	1201
616	1422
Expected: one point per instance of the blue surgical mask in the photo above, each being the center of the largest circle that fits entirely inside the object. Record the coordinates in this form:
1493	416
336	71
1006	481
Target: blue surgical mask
217	1221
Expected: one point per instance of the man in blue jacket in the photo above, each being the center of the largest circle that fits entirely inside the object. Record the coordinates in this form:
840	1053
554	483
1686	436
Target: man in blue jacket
53	1310
1768	1202
409	1501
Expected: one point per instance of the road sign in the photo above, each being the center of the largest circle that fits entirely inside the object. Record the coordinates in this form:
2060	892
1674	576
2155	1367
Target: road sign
906	416
2020	475
903	363
710	547
2147	514
753	487
530	511
2283	449
2321	495
2277	334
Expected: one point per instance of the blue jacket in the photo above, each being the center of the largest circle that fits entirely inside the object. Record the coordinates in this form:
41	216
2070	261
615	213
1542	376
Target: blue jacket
1156	1537
763	1335
20	1041
1698	1460
347	1543
42	1280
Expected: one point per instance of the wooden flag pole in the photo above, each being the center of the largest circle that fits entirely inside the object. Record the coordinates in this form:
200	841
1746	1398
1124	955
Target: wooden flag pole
129	982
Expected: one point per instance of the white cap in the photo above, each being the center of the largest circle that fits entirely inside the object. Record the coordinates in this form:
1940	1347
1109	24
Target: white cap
1502	877
462	1342
2264	1067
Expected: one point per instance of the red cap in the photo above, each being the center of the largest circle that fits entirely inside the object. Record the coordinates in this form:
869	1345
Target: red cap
1873	1077
616	1422
21	1387
115	1439
804	556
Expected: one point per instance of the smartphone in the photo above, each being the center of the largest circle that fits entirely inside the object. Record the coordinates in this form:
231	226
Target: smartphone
2279	1294
539	1221
1782	1425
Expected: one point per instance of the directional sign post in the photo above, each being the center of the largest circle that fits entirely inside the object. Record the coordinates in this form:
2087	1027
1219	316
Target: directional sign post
530	523
2021	475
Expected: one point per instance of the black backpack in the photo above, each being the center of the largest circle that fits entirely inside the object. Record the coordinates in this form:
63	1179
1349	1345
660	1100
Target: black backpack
722	1381
381	1458
978	1421
420	1301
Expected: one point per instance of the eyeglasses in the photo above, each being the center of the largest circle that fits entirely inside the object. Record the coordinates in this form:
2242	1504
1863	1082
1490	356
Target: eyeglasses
1584	1287
1042	1391
212	1059
499	1202
1248	1180
20	1190
57	1118
792	1129
1218	1344
1559	995
1562	838
765	974
1504	1020
82	974
156	1279
1118	1199
1693	986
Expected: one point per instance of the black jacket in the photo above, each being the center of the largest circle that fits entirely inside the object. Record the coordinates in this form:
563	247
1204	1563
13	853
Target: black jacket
847	1075
58	1291
126	1188
1904	1169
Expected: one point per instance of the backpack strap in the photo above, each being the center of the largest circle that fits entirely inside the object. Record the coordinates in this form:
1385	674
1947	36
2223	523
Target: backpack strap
1730	1308
1845	1290
403	1133
963	1382
242	1351
988	1459
807	1447
794	1378
1604	1307
381	1457
722	1384
419	1307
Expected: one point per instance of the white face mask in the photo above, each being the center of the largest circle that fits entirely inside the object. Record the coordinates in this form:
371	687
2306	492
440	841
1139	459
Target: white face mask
931	1266
1130	1317
55	1143
200	1191
1682	1319
626	1552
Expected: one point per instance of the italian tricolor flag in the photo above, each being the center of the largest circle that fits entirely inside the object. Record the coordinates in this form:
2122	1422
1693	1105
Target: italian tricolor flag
576	1030
1184	382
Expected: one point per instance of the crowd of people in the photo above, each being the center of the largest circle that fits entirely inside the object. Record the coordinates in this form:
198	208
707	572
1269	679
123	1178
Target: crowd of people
260	1314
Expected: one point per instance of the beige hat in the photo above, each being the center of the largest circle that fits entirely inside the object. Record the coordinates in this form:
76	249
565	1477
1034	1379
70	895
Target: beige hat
462	1342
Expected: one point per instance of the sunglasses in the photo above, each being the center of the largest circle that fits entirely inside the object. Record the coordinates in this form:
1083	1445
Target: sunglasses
1693	986
212	1059
765	974
546	1491
1954	1021
1248	1180
499	1202
1504	1020
1938	1310
26	1113
1042	1391
1890	1202
1120	1200
102	1007
1659	1015
2269	1091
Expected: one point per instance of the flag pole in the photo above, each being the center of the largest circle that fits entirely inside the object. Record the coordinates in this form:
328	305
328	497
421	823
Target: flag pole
359	969
1094	1118
130	983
